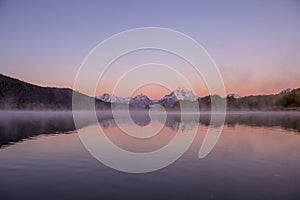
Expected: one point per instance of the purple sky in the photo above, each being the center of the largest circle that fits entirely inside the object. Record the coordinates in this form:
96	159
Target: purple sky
255	44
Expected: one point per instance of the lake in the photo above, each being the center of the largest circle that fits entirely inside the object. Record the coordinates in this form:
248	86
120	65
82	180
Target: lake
257	156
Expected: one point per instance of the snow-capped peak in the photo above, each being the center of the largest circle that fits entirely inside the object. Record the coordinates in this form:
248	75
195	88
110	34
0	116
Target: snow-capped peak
114	99
121	100
177	95
285	91
235	96
142	100
185	95
104	97
141	97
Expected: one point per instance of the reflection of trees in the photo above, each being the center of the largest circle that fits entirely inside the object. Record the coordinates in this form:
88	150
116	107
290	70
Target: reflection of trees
286	120
16	126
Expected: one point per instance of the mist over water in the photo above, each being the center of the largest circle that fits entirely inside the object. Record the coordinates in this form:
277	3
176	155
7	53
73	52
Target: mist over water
19	125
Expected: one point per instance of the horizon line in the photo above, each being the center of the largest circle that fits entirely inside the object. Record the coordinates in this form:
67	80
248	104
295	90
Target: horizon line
200	96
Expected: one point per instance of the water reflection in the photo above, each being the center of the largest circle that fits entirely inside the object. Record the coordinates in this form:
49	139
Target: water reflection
16	126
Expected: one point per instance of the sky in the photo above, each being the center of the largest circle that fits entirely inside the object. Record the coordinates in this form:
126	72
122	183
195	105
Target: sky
255	44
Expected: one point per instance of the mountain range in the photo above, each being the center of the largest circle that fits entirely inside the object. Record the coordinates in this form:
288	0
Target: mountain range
17	94
142	100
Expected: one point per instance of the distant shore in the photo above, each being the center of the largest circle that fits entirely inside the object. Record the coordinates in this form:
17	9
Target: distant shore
19	95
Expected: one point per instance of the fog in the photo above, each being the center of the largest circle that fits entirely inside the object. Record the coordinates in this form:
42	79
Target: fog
19	125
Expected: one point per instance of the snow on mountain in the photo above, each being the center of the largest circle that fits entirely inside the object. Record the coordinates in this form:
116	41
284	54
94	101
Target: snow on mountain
177	95
104	97
184	95
285	91
120	100
168	100
235	96
114	99
143	101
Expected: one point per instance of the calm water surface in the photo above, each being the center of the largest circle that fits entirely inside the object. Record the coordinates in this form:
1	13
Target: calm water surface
256	157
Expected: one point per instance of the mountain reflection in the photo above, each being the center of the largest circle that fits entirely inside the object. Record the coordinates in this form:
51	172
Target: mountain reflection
17	126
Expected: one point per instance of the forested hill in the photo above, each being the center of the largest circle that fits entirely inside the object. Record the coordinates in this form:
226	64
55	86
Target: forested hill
281	101
17	94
